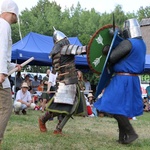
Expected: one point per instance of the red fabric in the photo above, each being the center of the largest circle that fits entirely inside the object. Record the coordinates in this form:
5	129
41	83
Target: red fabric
37	107
35	98
89	110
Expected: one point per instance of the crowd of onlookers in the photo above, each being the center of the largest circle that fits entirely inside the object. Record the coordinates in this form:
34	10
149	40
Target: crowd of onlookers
146	100
33	82
27	90
146	104
24	91
35	90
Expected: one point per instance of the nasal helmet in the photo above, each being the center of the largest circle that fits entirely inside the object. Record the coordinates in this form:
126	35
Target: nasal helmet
131	29
58	35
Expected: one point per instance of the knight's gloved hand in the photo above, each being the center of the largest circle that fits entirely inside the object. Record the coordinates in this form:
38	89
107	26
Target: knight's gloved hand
111	32
105	50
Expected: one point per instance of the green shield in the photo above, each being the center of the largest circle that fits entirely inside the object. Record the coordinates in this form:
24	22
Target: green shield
95	56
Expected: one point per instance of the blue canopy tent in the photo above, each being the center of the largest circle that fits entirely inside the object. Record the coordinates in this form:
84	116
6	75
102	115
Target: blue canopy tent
39	46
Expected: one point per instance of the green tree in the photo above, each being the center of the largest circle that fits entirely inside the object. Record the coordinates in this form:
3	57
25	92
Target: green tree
41	19
143	13
120	16
88	24
70	20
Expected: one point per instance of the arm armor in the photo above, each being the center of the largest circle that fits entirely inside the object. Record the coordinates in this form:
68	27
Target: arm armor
73	50
122	50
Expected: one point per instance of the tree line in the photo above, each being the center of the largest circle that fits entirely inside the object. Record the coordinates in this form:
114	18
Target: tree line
73	21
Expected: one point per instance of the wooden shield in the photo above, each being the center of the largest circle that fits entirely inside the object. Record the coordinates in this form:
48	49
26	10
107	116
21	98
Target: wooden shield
99	40
107	71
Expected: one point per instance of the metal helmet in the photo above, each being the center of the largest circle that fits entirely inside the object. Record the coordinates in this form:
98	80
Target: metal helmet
131	29
58	35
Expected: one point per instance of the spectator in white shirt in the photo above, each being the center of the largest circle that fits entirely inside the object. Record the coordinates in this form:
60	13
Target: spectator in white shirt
23	99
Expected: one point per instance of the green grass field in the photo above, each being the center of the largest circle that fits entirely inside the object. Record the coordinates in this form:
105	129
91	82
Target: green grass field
81	133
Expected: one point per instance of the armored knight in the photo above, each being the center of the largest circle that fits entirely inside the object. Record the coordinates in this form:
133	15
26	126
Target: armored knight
122	97
67	99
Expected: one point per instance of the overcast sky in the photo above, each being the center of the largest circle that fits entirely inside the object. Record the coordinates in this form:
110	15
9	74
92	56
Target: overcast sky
99	5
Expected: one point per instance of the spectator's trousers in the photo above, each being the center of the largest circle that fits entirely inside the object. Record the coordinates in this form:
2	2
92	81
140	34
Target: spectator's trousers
5	109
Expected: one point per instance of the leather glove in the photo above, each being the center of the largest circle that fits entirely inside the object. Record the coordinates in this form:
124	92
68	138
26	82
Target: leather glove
106	49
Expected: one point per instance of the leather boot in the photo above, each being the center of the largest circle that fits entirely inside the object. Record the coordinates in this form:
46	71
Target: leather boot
127	128
132	136
42	126
122	134
43	120
57	130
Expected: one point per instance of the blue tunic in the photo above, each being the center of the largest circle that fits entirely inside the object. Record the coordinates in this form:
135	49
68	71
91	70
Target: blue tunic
123	94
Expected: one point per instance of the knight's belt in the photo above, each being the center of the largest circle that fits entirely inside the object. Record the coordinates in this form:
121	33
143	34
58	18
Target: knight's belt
126	74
